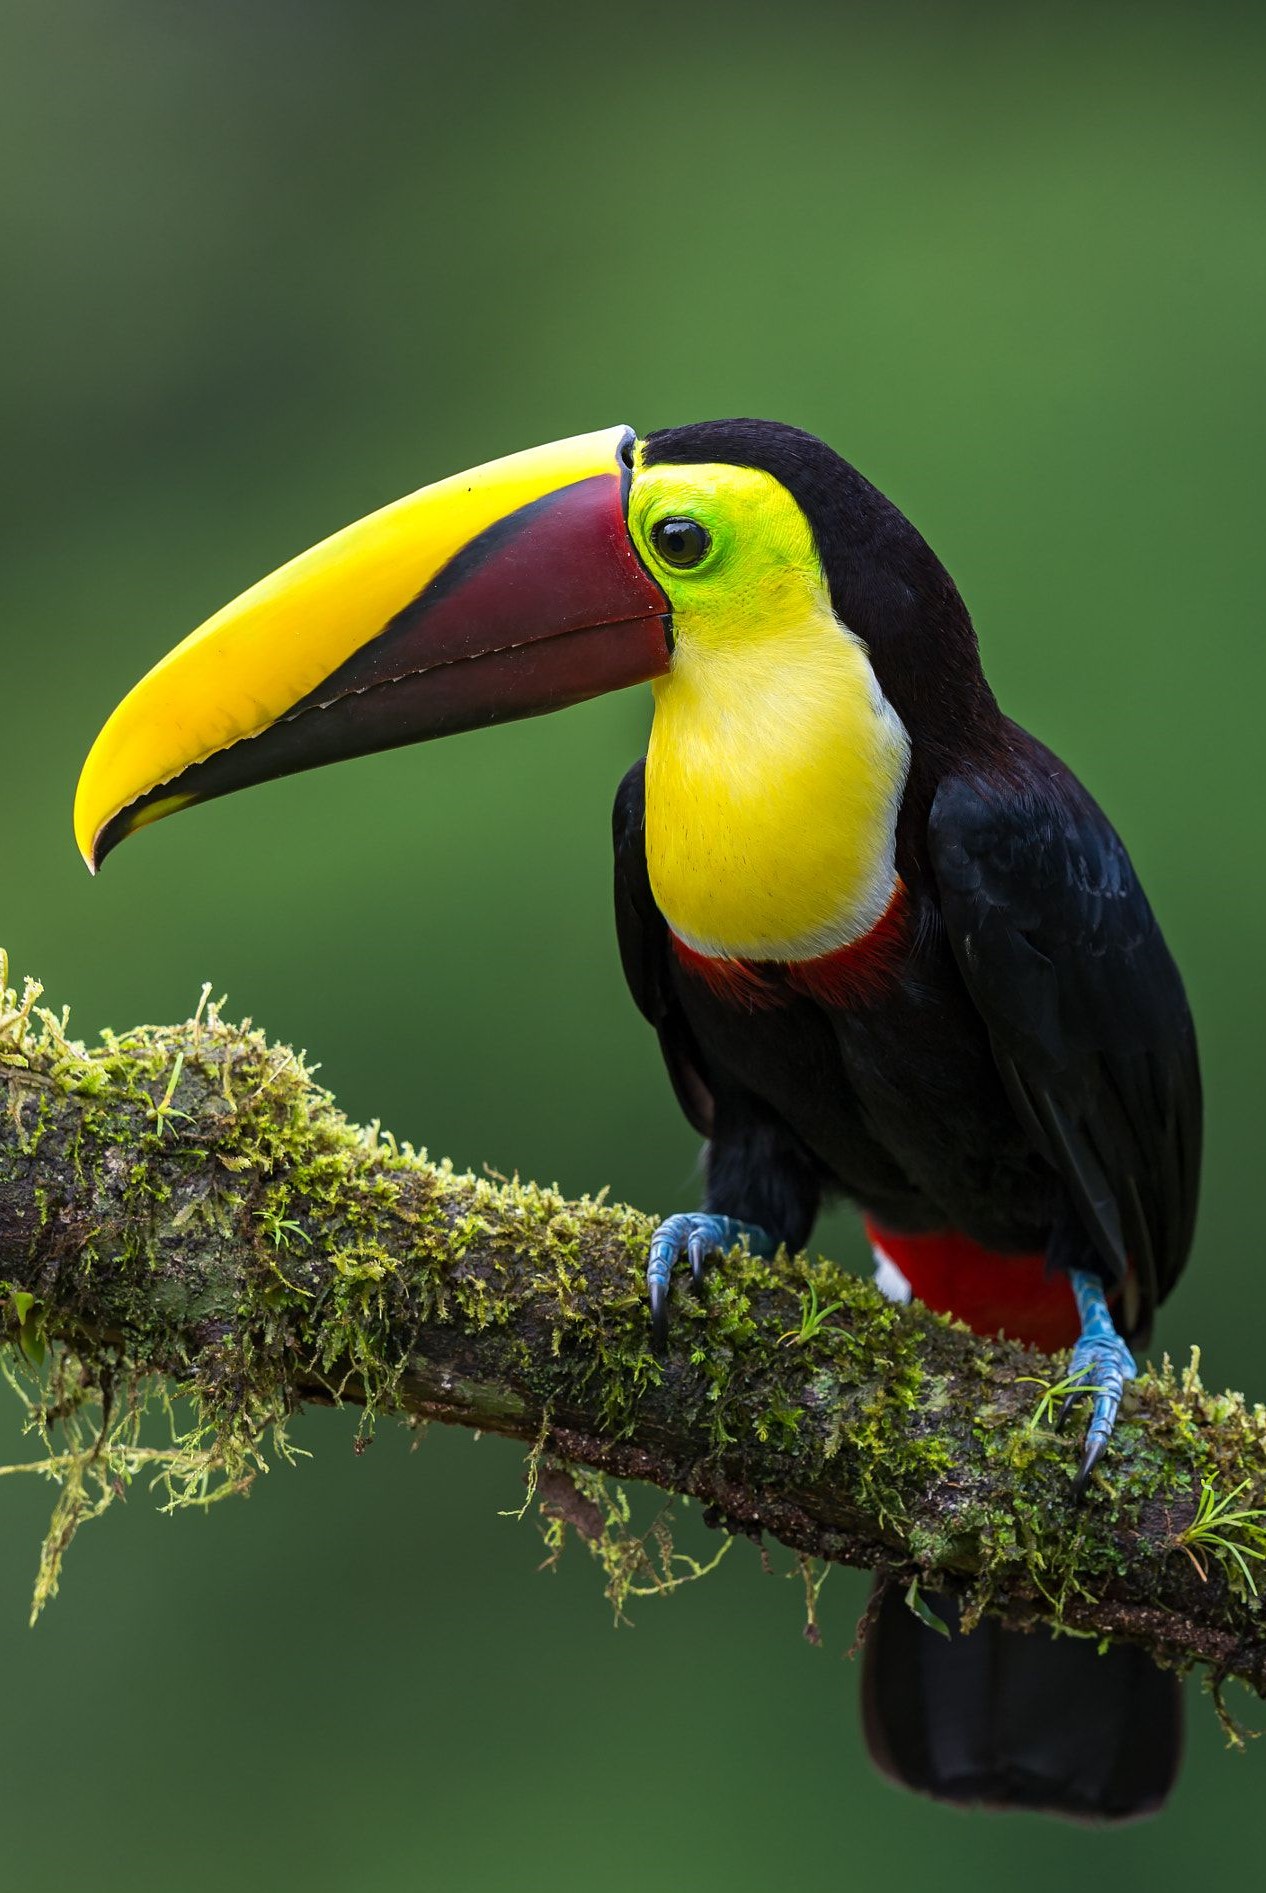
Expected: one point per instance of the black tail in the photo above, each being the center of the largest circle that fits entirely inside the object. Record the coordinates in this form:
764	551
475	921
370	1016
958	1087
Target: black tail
1009	1719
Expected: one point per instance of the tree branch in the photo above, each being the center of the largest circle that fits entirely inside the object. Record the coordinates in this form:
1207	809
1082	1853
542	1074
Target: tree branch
184	1202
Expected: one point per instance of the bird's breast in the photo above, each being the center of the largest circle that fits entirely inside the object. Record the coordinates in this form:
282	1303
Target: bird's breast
773	780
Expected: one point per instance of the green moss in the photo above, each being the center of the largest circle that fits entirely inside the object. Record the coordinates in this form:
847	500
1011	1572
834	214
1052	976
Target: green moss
248	1239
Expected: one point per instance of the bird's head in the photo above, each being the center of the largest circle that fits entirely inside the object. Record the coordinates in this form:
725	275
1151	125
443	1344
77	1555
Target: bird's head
729	547
522	586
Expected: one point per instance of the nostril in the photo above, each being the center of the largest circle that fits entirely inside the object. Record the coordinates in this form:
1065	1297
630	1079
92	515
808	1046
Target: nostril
626	451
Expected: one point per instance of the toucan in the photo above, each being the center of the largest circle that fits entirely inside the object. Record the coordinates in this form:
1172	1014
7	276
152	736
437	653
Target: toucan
892	948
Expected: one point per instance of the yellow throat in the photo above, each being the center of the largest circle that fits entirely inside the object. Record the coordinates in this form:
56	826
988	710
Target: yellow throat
776	765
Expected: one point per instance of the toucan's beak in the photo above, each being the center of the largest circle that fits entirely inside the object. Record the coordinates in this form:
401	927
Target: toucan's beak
496	594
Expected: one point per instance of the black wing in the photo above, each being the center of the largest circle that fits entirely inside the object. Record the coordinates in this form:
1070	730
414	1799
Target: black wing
1064	960
646	952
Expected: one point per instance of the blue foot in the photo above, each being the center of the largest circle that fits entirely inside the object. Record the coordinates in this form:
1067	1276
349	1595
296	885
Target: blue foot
1104	1363
696	1234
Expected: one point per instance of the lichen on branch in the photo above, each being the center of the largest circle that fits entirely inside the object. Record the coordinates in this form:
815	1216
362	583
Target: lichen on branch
185	1212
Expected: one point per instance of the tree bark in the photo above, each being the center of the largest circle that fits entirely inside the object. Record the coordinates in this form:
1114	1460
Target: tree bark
184	1202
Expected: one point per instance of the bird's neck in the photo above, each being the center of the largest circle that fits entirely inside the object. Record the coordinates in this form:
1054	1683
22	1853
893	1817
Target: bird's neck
774	775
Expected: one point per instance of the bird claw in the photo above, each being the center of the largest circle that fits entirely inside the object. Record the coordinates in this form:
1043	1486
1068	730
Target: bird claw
1092	1453
694	1234
658	1293
1103	1363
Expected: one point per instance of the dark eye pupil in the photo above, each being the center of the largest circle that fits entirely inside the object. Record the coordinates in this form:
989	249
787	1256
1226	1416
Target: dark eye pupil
681	542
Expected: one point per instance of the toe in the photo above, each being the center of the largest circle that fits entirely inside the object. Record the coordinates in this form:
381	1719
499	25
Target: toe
1082	1370
1103	1367
675	1236
694	1236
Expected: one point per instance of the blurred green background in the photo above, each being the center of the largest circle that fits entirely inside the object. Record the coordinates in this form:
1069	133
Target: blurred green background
268	266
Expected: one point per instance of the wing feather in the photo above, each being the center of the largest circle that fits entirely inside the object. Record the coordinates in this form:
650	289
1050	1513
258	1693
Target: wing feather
646	954
1063	958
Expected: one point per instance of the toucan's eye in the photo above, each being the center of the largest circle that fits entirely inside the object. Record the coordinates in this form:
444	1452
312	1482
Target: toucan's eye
681	542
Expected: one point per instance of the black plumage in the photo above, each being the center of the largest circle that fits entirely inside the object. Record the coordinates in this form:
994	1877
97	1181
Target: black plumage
1000	1718
1026	1076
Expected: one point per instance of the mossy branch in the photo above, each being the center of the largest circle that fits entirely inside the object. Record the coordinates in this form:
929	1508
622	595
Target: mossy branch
184	1205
